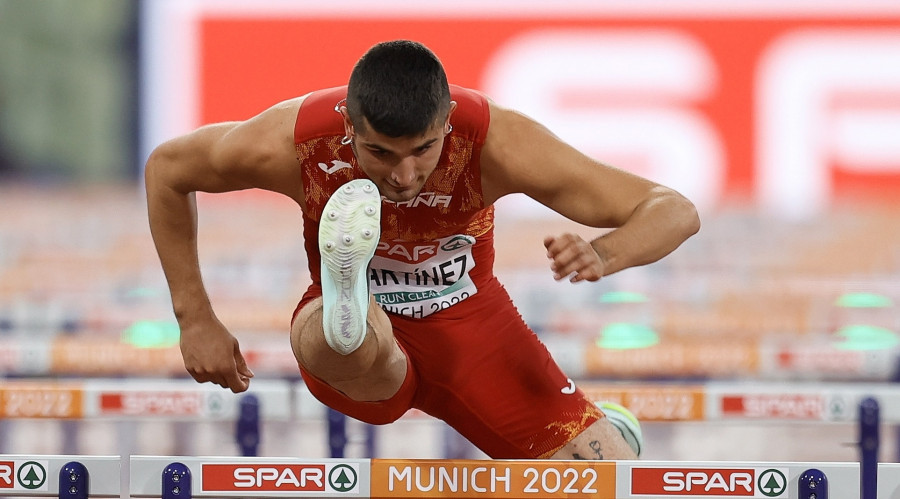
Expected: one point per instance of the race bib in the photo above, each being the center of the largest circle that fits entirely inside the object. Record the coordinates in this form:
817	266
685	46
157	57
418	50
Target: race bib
419	279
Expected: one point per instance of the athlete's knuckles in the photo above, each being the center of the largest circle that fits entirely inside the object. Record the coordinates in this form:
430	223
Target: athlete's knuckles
565	267
569	254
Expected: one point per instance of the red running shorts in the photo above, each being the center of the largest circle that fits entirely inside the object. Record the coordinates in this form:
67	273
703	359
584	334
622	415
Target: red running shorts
478	367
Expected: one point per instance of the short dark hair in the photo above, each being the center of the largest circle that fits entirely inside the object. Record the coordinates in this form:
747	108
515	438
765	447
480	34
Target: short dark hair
399	87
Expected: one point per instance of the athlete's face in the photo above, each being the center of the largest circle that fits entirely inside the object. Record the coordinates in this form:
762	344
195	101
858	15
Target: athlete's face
399	166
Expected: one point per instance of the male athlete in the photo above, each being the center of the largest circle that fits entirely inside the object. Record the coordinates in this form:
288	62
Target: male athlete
396	175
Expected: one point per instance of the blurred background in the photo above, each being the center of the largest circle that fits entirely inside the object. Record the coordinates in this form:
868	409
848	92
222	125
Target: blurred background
753	341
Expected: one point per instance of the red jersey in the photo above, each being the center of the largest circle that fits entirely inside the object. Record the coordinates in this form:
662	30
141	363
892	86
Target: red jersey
435	250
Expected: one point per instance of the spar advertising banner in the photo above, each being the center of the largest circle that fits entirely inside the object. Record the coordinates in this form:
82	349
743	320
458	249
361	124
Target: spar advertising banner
793	106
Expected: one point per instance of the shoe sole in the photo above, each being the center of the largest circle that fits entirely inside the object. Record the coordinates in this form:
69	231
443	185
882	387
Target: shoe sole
348	235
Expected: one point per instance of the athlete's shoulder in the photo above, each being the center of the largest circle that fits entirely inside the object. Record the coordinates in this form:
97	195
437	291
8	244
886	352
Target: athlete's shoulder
468	95
472	115
318	114
326	99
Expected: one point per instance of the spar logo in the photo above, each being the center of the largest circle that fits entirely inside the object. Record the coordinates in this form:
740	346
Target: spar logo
782	406
456	242
709	482
18	475
280	478
343	478
772	483
151	403
6	474
32	475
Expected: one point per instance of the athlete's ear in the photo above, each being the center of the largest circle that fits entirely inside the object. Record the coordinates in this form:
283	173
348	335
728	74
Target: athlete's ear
348	125
447	126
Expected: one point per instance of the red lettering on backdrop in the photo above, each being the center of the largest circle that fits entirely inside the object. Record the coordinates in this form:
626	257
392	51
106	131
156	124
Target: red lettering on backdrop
249	63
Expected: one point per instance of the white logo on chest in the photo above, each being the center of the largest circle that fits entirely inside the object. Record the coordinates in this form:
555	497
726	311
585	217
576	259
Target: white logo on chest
335	166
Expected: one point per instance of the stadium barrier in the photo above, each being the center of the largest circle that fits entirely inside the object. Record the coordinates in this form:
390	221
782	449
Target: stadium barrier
130	400
176	477
186	477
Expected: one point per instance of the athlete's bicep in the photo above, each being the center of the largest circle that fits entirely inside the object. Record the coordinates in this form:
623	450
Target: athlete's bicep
260	152
522	156
222	157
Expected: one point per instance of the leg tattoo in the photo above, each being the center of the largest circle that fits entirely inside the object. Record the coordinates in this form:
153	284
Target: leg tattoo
596	447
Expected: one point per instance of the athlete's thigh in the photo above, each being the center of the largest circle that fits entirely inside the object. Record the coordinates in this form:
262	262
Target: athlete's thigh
381	395
485	373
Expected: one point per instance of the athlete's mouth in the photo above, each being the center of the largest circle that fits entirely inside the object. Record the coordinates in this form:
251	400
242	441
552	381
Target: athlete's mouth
400	194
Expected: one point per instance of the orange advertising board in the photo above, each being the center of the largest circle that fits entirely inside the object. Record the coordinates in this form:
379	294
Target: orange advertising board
99	356
38	400
652	403
507	479
675	358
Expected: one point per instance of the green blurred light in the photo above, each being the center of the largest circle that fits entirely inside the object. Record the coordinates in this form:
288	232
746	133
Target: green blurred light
864	337
141	292
626	335
152	334
623	297
863	300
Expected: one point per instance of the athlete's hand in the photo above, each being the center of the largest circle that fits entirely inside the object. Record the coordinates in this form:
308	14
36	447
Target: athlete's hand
570	255
212	354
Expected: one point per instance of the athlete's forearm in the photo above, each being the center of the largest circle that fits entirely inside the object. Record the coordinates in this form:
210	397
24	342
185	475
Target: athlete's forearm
656	228
173	225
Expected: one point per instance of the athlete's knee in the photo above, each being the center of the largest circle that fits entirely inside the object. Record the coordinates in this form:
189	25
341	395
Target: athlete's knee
377	352
309	318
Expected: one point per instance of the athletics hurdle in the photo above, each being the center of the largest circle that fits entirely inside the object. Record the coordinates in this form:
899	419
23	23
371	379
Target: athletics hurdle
128	401
714	401
176	477
63	476
422	478
869	422
152	476
172	477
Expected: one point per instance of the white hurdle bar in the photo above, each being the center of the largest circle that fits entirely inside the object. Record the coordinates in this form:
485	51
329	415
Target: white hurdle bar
130	400
170	477
118	399
280	400
127	401
73	477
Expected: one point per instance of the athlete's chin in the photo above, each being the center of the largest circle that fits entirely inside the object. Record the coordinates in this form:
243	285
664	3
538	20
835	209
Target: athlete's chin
400	195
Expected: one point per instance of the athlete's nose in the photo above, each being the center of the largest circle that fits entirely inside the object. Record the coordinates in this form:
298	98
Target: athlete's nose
404	173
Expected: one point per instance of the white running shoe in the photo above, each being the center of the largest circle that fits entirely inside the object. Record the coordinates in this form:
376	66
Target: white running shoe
626	423
348	234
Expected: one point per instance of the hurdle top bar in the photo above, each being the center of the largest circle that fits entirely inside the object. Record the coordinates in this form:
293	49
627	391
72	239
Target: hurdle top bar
39	476
398	478
138	398
282	400
27	475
